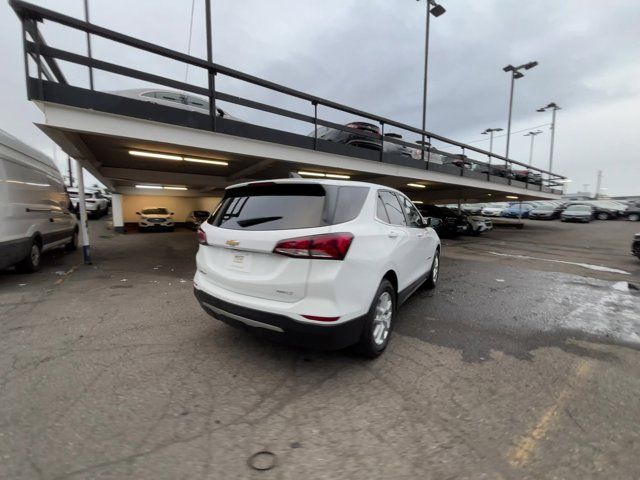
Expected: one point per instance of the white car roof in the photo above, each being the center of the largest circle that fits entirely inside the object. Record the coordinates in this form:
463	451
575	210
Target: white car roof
320	181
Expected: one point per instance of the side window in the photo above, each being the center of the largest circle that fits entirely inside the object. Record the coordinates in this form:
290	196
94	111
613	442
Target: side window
393	208
196	102
412	214
381	213
172	97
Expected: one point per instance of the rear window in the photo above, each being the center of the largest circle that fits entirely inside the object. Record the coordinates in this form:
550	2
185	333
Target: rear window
288	206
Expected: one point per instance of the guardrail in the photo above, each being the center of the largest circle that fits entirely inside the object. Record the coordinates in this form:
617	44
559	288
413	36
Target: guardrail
496	168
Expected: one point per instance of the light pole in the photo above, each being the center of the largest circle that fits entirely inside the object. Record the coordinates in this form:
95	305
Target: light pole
515	74
491	131
436	10
554	108
533	136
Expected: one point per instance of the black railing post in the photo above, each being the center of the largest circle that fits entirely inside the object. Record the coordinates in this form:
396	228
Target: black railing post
428	151
86	19
315	125
463	163
24	47
489	169
381	141
36	40
211	73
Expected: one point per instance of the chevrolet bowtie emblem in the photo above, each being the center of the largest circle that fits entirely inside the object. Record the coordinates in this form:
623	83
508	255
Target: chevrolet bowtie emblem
232	243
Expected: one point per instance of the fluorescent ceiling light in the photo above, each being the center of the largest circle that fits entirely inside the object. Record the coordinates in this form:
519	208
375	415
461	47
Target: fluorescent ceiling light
164	156
312	174
175	188
155	187
417	202
416	185
335	175
202	160
512	197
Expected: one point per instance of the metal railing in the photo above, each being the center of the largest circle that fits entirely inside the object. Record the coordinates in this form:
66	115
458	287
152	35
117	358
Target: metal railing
496	168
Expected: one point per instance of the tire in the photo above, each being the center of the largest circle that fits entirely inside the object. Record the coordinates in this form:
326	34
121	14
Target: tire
381	316
434	273
603	216
73	243
633	217
31	263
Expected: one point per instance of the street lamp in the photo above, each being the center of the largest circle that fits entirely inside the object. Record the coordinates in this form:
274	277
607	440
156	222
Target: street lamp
436	10
491	131
515	74
554	108
532	135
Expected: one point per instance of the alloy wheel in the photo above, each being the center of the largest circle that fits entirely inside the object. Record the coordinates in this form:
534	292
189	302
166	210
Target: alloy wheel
382	319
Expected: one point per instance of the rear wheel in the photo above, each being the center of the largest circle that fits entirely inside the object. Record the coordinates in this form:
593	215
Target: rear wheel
31	263
633	217
603	216
379	322
432	279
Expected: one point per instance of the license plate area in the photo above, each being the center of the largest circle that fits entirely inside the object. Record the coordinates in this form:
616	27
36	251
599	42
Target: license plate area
239	261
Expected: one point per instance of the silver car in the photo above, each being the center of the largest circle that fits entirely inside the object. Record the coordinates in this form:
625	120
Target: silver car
171	98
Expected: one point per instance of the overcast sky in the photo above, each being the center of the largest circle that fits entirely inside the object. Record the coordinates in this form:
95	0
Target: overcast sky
369	54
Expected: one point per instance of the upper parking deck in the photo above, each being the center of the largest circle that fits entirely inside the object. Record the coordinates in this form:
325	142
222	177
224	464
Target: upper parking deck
452	163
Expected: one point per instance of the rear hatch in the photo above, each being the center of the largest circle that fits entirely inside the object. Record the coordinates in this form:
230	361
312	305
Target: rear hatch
252	219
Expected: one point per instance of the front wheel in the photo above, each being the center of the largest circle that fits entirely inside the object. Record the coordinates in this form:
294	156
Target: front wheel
603	216
379	321
633	217
73	243
432	279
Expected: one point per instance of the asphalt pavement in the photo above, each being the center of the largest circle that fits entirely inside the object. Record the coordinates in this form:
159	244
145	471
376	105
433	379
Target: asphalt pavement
523	363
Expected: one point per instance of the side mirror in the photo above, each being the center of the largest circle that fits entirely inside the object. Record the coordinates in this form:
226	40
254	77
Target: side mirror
137	213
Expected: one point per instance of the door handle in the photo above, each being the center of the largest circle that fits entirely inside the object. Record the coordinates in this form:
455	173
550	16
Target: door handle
392	234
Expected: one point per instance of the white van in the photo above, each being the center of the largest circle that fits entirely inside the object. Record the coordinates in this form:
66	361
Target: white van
35	211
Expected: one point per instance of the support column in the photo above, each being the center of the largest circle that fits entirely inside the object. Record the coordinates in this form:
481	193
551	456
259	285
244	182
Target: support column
116	213
84	233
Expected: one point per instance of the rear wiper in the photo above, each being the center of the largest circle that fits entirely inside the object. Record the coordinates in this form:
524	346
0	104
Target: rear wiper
255	221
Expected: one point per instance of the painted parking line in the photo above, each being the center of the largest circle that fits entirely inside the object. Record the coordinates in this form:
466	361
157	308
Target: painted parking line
520	455
598	268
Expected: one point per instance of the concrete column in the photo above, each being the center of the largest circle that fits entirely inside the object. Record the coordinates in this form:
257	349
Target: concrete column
116	213
84	233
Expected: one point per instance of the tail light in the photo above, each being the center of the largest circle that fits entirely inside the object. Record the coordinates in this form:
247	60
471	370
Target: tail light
330	246
202	237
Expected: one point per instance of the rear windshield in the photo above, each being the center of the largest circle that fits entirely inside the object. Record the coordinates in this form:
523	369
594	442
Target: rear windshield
274	206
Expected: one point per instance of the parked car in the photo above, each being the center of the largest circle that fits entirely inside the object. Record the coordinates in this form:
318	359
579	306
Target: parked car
155	218
476	225
275	260
195	219
528	176
635	246
545	211
452	223
577	213
390	147
94	202
36	211
175	99
362	134
518	210
473	208
494	209
601	210
633	213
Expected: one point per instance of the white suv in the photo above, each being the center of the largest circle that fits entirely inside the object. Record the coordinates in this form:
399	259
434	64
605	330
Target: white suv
315	262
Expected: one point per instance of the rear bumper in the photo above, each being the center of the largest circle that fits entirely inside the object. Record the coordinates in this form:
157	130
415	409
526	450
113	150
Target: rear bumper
282	328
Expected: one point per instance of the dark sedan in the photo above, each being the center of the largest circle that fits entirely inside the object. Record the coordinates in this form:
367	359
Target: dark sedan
452	222
361	134
577	213
544	212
